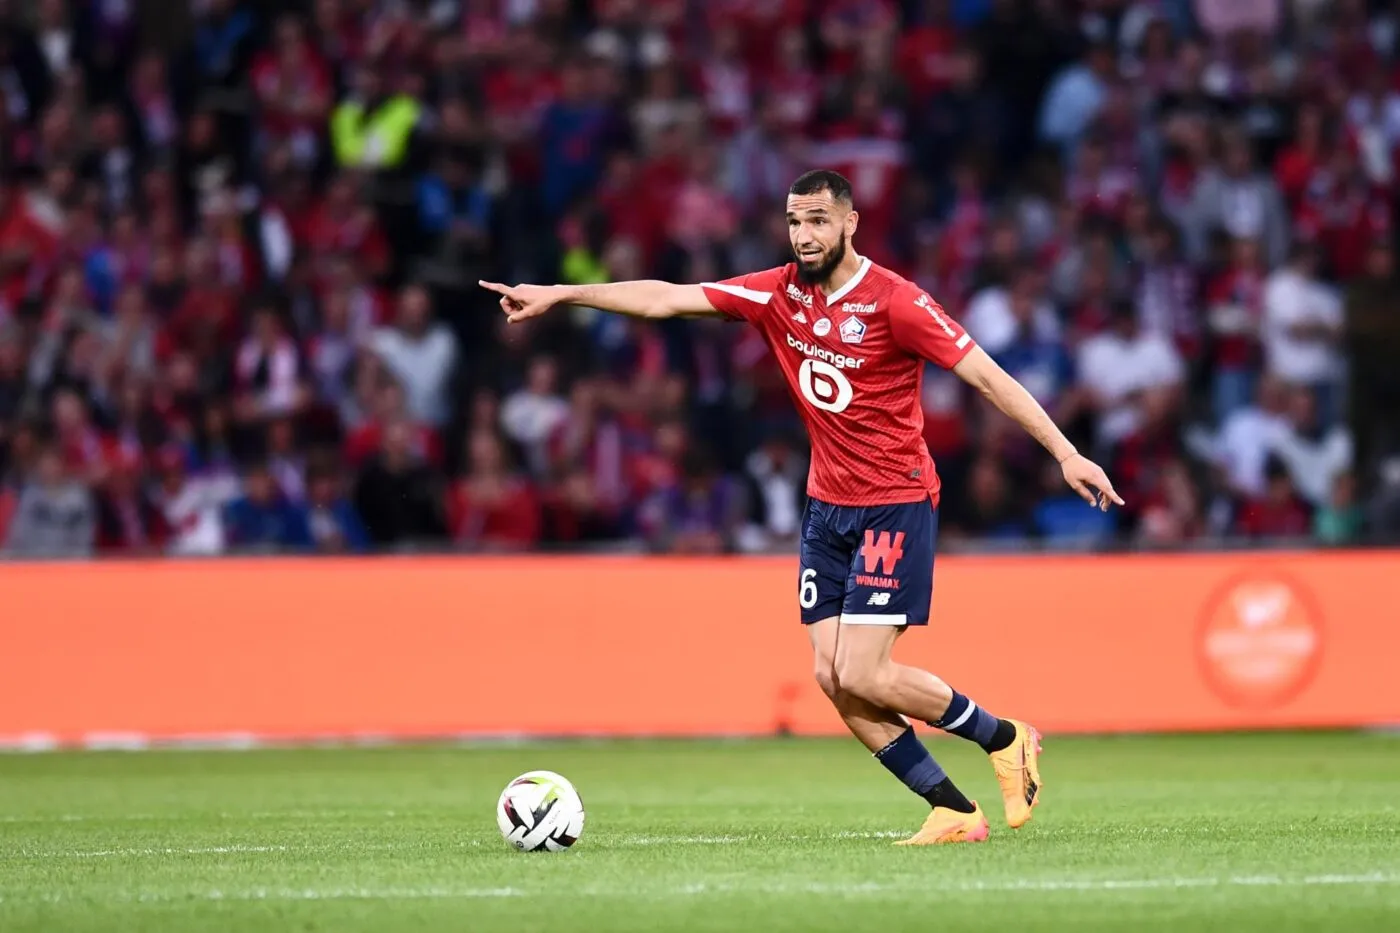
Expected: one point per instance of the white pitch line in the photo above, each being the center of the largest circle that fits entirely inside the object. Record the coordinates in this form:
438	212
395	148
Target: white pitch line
223	815
236	849
605	842
358	894
197	850
679	840
1048	885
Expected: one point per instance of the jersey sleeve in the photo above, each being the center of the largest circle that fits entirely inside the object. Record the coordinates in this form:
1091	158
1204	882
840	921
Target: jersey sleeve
744	297
922	328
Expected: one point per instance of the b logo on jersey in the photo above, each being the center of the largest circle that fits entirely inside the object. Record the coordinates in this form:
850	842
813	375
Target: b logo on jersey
821	380
852	330
798	295
824	386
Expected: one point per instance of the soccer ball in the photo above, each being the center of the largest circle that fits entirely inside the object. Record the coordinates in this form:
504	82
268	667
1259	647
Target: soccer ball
540	810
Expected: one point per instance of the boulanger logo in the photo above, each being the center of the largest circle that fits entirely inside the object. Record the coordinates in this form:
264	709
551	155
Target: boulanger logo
1260	640
839	360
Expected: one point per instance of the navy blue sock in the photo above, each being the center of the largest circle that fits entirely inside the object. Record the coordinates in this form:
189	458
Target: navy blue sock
908	759
967	720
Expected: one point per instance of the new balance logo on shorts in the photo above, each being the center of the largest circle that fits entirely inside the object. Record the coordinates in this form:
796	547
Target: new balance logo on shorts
878	599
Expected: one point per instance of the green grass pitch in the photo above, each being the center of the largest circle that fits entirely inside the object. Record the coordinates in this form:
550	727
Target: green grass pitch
1233	832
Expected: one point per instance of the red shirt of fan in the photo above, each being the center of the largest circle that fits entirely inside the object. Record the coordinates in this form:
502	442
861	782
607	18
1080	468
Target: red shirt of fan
854	365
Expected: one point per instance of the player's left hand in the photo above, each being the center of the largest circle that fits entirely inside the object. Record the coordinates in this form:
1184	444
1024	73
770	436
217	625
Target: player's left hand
1089	480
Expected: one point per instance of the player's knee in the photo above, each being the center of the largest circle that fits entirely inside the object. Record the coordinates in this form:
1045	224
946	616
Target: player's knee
864	681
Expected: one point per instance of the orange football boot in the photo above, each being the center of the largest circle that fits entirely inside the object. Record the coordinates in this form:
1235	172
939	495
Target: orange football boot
1018	772
944	826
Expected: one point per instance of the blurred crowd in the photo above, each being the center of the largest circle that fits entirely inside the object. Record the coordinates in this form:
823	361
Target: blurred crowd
239	241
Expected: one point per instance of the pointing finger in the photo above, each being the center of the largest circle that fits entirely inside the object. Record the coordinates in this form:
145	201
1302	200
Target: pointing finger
496	287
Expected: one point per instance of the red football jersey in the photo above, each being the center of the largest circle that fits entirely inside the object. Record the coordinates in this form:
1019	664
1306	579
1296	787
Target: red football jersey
854	363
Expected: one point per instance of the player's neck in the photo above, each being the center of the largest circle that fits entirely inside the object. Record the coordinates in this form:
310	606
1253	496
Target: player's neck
842	273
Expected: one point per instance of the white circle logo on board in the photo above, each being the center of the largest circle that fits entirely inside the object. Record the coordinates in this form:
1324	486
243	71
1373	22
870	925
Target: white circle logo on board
822	327
825	386
1260	640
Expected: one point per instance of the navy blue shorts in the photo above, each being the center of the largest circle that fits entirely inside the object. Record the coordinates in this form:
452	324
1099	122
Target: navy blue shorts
868	564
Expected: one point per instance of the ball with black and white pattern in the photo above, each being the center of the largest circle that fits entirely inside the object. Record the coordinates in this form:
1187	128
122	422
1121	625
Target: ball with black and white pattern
540	811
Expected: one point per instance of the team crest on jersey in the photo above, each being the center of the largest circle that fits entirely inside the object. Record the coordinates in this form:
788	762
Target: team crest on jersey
852	330
822	327
798	295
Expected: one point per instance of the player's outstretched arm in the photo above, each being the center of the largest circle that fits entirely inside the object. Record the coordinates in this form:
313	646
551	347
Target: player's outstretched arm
981	372
646	298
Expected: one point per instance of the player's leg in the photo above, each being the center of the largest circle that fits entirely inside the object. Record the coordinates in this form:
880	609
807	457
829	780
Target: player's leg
873	726
1012	745
825	553
892	741
953	818
824	559
864	668
890	584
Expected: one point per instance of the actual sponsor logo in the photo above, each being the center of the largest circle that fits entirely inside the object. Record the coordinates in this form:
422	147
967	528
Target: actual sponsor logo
850	307
935	312
822	327
852	330
1260	640
798	295
839	360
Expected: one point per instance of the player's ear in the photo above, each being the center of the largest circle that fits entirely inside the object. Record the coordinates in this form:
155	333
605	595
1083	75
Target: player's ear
852	221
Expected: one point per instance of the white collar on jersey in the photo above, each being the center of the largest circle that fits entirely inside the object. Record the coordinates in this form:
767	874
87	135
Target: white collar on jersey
851	283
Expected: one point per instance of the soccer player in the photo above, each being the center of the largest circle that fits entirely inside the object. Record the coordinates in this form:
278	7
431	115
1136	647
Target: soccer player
852	338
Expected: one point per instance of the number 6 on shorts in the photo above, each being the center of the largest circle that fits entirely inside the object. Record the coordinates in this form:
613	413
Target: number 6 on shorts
807	596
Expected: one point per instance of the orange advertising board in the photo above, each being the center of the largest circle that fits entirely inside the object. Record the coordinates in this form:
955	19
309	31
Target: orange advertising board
419	647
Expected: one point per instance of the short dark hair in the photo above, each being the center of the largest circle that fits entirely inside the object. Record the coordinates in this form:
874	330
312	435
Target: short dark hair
819	180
